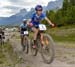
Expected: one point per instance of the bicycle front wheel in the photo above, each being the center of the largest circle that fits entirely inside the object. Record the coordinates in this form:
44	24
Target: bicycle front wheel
26	44
34	51
47	50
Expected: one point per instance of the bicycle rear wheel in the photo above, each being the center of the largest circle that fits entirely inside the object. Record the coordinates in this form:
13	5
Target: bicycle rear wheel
47	50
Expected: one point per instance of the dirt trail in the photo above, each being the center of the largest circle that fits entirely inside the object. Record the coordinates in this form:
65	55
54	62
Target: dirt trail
30	61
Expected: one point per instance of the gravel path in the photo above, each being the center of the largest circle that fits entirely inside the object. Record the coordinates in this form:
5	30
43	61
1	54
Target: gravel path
30	61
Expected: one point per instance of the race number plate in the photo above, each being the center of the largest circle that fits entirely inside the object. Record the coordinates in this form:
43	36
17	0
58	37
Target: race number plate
25	32
42	27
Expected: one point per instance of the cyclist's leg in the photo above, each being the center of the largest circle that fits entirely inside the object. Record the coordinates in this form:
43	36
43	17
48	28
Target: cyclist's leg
22	39
42	41
35	31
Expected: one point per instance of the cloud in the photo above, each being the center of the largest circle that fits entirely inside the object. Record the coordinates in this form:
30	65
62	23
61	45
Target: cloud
29	2
10	7
5	12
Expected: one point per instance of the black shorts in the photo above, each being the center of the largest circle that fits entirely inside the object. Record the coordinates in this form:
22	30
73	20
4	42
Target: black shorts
34	26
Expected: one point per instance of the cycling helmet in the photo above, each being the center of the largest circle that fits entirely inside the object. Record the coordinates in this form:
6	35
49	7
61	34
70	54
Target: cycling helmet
24	20
38	7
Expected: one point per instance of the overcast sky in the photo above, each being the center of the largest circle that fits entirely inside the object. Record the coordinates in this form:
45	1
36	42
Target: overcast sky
10	7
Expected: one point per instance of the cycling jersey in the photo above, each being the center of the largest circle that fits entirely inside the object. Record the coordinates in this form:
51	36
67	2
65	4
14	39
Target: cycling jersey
23	28
36	19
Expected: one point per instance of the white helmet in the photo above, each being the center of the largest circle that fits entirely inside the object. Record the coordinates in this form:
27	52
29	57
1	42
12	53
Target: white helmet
24	20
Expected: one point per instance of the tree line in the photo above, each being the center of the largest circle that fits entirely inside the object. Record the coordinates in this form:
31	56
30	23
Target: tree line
63	16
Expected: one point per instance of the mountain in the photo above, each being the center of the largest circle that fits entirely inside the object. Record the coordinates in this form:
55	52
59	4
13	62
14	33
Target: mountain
14	19
17	18
54	5
29	14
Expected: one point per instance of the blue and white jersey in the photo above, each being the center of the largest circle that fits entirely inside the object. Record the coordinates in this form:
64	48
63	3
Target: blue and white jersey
36	19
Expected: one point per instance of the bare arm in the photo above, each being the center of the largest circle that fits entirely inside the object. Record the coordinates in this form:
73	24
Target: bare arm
28	21
49	21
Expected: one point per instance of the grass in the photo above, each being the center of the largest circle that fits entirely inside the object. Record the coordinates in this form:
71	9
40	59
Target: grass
63	36
2	56
12	55
7	49
66	44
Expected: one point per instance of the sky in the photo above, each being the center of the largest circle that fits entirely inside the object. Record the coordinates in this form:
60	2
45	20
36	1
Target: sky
10	7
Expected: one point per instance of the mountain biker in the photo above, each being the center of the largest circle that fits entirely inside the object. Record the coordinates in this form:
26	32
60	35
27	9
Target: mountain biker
35	21
23	27
1	34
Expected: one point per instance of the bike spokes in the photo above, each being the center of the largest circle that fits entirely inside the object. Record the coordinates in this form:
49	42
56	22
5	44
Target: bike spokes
45	41
26	45
47	49
33	50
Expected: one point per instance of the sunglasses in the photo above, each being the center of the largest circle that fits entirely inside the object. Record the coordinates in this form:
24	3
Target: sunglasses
39	10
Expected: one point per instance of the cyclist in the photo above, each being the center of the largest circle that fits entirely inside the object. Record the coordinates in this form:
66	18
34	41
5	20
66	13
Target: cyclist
1	34
35	21
23	27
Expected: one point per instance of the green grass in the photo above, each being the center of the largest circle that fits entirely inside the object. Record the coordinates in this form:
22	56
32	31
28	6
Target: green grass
2	56
62	34
7	48
66	44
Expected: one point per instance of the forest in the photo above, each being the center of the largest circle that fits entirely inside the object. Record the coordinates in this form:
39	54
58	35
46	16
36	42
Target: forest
63	16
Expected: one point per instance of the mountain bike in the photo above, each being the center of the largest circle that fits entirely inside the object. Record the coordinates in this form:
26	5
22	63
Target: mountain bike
47	49
26	41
